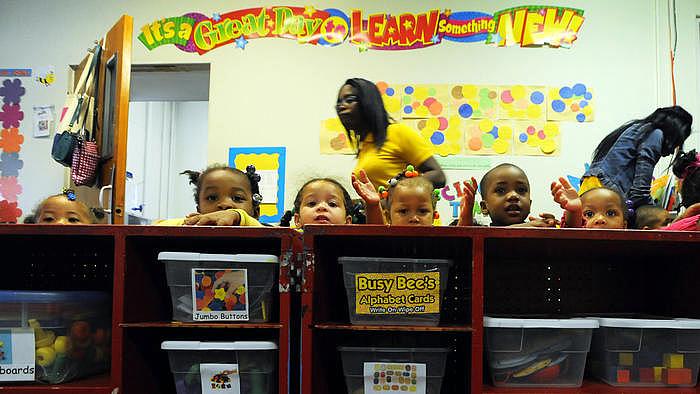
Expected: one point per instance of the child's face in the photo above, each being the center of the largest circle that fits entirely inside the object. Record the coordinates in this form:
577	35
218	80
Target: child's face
222	190
411	206
602	209
661	219
507	197
321	203
60	210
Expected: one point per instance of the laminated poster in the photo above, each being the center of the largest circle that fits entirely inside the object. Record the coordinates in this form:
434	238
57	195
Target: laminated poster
489	137
220	294
387	378
522	102
422	101
391	96
397	293
444	134
474	101
17	354
571	103
220	378
536	138
334	139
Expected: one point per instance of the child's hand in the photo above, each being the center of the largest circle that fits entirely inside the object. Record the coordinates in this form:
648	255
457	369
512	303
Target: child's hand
466	205
566	196
545	220
365	188
228	217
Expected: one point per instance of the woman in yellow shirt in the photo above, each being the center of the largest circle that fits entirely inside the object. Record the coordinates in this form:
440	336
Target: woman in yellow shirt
384	148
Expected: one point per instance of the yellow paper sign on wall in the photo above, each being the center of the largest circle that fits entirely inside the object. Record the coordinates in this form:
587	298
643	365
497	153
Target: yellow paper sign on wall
397	293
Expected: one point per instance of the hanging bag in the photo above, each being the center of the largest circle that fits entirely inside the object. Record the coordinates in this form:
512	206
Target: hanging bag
86	155
66	140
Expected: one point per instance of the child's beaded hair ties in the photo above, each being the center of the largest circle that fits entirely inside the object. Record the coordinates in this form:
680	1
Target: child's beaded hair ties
409	172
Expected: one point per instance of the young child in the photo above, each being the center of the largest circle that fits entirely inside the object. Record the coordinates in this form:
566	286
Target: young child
410	199
601	207
685	167
505	193
650	217
625	159
320	201
64	208
224	196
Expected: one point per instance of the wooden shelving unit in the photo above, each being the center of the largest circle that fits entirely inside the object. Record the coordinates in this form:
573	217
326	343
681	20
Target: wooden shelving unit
495	272
499	272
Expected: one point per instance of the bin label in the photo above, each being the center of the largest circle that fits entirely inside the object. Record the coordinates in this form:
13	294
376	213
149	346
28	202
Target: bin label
220	378
220	294
17	354
386	378
397	293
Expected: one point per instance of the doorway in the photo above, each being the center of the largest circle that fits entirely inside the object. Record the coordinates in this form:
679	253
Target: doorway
168	132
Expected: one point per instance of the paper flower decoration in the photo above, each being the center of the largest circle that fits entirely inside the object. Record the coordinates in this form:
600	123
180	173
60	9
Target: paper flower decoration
444	135
9	212
10	164
12	90
10	140
11	115
10	188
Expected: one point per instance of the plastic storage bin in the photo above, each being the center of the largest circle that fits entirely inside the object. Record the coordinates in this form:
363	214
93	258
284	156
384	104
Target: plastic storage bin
537	352
251	365
398	369
640	352
388	308
216	284
71	330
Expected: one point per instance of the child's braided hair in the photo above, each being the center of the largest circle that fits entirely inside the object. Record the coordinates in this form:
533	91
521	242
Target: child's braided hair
197	177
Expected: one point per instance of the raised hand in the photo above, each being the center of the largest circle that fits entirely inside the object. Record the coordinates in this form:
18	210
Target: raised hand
365	189
466	205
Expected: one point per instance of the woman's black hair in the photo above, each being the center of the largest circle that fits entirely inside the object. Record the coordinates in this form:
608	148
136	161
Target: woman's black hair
351	209
674	122
197	177
376	119
685	167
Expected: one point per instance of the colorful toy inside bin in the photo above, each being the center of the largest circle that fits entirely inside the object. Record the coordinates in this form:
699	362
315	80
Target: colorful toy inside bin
537	352
393	370
71	330
395	291
646	352
226	367
220	287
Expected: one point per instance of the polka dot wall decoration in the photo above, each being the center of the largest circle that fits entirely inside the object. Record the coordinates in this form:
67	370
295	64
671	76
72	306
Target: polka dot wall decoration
423	101
444	134
571	103
536	138
11	116
488	137
391	95
474	101
520	102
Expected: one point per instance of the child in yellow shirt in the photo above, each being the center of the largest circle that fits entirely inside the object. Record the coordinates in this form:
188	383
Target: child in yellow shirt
224	196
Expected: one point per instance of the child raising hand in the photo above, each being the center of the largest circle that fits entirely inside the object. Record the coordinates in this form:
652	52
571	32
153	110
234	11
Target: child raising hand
596	208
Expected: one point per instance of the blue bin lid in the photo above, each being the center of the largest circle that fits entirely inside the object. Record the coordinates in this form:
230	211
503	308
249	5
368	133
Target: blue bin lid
38	297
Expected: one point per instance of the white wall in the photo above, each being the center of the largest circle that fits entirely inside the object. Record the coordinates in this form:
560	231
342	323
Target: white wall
275	92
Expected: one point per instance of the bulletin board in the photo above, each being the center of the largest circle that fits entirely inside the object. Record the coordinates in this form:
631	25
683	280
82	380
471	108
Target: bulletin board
270	163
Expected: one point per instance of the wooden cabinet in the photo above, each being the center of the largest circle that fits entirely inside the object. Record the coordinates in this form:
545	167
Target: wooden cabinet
495	271
122	260
558	273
